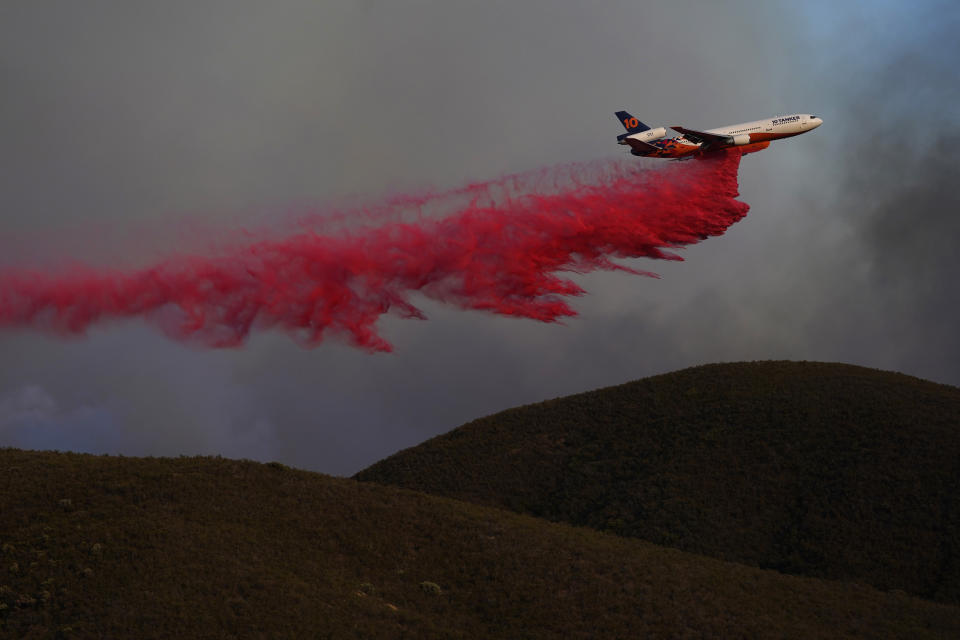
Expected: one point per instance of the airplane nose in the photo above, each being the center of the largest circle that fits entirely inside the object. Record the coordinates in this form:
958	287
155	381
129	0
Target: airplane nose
815	122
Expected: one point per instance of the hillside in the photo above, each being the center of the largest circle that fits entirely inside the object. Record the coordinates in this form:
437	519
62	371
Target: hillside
118	547
822	470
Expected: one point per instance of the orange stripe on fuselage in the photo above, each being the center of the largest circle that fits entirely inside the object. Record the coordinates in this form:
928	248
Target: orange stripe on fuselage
761	137
674	148
683	150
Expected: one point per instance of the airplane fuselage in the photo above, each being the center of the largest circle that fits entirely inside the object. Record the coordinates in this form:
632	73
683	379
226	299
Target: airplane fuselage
746	137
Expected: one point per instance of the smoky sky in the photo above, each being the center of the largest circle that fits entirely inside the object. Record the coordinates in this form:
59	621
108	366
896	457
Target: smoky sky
133	130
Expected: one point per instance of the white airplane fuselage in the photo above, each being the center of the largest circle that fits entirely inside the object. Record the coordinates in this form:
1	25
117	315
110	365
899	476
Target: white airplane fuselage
745	137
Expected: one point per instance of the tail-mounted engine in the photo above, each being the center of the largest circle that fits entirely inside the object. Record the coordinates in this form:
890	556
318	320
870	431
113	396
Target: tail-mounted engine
650	134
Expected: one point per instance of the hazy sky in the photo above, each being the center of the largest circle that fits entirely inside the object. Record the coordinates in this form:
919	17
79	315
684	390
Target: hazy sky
128	130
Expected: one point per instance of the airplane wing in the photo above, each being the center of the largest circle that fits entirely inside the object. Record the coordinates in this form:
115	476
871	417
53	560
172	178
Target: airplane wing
704	138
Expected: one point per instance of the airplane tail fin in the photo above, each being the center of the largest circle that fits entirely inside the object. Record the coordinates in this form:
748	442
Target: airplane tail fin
631	124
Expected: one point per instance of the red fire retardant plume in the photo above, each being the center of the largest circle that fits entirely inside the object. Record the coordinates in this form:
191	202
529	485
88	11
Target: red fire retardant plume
502	247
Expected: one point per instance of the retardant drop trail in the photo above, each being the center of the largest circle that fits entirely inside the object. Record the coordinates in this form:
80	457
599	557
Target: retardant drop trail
501	248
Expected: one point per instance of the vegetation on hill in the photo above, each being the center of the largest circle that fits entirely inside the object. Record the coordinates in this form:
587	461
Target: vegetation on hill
822	470
114	547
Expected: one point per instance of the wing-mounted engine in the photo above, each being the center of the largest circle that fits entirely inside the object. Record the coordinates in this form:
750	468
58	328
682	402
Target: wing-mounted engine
741	139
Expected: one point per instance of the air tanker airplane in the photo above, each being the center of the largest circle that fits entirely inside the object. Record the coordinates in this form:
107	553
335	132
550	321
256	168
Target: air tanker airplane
747	137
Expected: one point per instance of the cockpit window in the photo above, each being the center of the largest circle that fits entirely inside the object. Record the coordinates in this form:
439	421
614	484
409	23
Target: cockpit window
813	117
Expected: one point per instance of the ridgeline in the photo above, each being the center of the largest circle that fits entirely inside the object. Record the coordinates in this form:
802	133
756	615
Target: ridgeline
844	475
822	470
115	547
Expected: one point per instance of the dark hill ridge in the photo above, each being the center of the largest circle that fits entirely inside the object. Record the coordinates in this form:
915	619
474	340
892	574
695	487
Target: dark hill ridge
113	547
824	470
